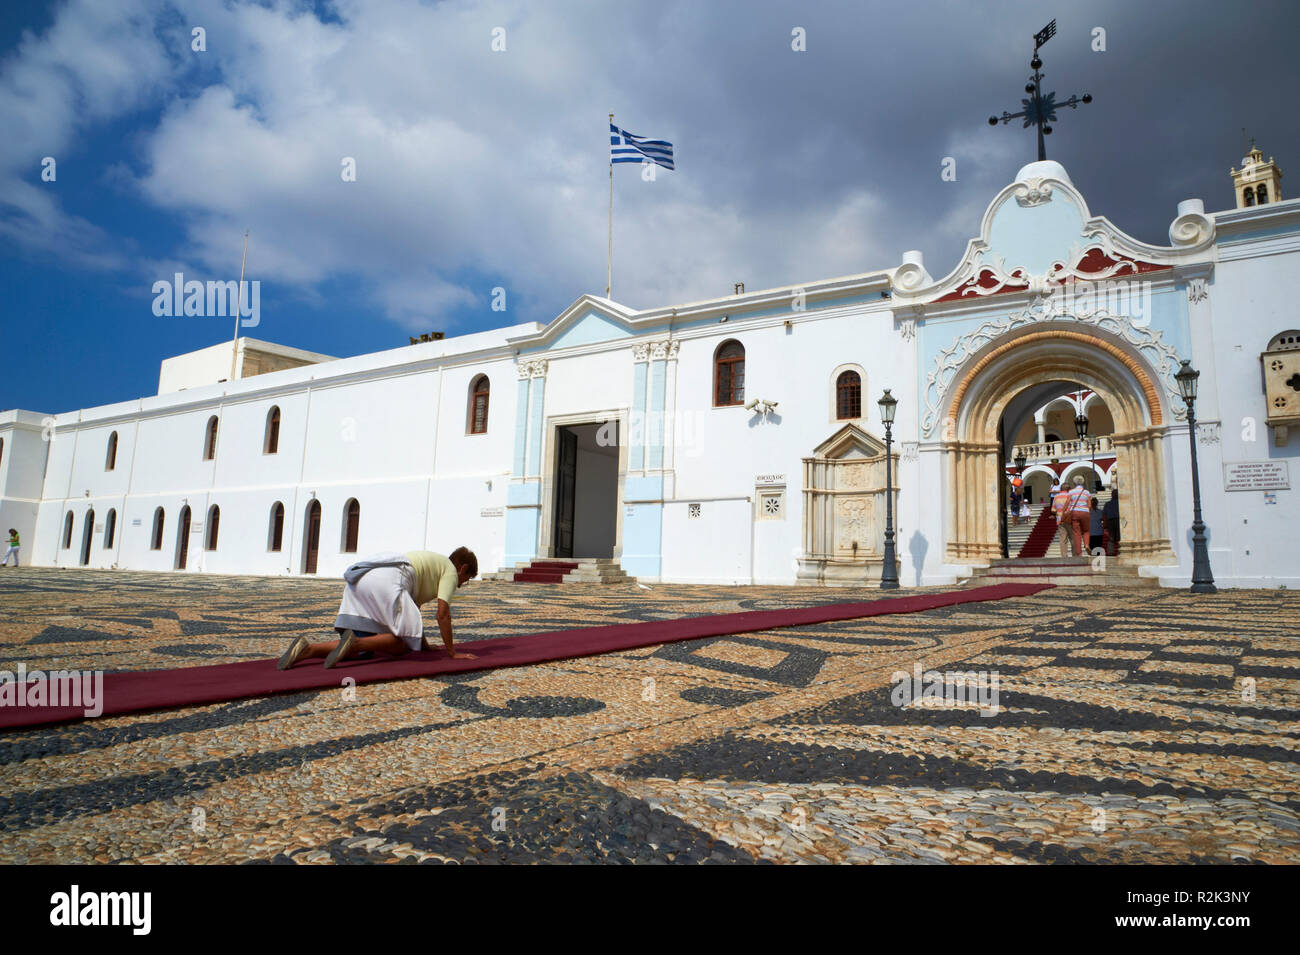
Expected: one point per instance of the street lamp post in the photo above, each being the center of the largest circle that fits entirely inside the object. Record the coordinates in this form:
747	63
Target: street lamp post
889	576
1202	578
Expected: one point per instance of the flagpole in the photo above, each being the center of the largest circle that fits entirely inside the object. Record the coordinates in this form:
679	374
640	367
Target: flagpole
239	307
609	262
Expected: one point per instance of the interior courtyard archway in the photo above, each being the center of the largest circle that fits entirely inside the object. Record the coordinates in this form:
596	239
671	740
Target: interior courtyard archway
1040	358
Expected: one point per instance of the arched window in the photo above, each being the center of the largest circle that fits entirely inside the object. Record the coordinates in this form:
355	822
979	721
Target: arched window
351	526
271	445
729	374
67	531
1261	194
1249	195
157	530
277	527
848	395
478	405
110	461
110	526
214	519
2	450
210	443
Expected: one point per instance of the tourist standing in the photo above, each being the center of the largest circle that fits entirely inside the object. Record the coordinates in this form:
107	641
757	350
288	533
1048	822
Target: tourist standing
14	544
1060	508
1095	530
1078	509
1110	517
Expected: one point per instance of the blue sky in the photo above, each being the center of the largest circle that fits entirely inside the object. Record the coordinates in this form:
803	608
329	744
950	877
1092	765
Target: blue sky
479	168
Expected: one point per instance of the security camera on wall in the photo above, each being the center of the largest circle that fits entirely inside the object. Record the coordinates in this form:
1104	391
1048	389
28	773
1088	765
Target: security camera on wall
753	403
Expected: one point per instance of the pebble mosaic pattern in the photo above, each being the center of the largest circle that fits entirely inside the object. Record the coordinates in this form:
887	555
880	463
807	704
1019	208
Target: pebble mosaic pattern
1130	727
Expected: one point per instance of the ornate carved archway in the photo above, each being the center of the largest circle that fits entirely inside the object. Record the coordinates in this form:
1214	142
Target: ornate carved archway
986	386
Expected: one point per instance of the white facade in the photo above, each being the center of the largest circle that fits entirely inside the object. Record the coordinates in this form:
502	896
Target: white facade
692	492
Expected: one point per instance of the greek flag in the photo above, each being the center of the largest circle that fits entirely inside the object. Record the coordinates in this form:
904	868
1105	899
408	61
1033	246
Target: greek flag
624	147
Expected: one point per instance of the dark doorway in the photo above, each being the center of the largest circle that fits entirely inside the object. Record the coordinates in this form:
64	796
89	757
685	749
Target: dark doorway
311	542
586	490
183	538
566	484
86	535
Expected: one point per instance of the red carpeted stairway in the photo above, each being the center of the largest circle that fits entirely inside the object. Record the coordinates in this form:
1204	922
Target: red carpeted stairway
1041	537
546	571
565	570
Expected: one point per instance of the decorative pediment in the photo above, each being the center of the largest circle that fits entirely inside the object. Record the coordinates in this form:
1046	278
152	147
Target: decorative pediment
1037	234
850	443
1092	263
587	321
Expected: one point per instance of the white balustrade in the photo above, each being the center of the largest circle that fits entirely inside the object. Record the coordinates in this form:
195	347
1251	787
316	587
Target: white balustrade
1075	450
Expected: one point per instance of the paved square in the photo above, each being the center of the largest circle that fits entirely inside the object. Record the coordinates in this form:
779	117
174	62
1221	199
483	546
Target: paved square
1132	726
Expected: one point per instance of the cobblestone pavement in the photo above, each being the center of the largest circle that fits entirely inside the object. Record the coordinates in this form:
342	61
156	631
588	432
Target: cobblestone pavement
1130	726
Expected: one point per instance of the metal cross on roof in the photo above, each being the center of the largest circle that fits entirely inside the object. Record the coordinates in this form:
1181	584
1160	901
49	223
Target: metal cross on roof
1040	108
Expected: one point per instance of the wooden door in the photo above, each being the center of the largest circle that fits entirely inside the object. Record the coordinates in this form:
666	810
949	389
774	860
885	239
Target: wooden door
183	539
566	480
313	538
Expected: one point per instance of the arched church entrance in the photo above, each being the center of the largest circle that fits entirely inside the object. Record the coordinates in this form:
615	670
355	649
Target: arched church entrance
1018	373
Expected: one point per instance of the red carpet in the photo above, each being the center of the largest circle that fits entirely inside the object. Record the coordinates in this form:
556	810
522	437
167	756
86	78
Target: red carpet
546	571
138	691
1041	537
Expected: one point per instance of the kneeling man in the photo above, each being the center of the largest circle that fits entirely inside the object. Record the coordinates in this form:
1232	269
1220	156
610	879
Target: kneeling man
381	606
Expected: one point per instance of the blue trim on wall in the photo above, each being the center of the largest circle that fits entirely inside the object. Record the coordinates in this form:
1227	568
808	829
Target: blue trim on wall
524	495
642	540
535	428
872	298
521	427
591	328
636	429
522	525
655	433
649	488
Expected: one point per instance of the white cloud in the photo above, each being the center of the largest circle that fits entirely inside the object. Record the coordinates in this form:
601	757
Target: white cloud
474	168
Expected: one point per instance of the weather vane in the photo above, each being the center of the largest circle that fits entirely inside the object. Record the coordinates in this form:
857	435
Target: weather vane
1040	109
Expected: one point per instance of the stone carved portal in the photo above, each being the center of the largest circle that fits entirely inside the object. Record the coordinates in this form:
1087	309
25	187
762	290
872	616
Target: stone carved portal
844	509
988	383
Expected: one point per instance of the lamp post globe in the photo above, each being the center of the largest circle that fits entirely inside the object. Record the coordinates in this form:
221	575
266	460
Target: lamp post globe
889	575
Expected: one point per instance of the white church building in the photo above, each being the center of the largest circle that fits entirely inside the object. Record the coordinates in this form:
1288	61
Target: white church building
736	440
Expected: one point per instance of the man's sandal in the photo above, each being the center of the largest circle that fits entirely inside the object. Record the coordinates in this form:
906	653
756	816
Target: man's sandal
347	643
297	650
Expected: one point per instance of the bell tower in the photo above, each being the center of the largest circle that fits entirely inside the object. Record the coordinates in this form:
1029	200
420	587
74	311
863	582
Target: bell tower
1257	182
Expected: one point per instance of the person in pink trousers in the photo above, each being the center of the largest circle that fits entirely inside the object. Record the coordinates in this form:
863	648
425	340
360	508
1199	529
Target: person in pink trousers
1061	511
1078	506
